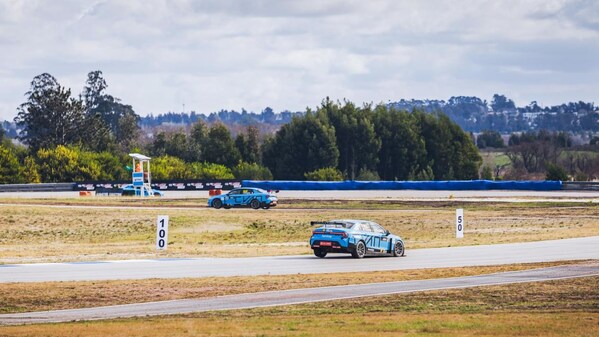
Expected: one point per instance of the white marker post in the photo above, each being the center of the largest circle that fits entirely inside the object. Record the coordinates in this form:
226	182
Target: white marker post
459	223
161	232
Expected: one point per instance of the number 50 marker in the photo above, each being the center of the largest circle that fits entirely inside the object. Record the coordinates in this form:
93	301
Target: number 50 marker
161	232
459	223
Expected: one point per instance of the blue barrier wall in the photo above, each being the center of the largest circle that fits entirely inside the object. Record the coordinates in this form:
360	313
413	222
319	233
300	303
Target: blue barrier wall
406	185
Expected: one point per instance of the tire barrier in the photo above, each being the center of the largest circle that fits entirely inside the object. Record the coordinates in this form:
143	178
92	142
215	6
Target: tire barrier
162	185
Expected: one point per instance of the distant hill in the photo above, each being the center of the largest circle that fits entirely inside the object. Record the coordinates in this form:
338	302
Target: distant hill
501	114
471	113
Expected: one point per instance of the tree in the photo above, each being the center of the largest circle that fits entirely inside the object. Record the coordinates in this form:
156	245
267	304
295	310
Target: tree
106	115
355	136
198	140
304	145
402	153
556	173
176	145
248	145
220	147
128	128
158	147
502	103
532	150
50	116
450	150
489	138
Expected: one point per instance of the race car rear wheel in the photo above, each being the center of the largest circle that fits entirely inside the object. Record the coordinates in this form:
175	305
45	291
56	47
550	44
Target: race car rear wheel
217	203
359	251
320	253
255	204
398	249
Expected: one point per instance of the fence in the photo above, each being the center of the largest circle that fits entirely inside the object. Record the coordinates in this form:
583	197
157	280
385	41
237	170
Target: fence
205	185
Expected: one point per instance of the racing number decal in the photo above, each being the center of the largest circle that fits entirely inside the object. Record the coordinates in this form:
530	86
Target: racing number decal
373	242
242	200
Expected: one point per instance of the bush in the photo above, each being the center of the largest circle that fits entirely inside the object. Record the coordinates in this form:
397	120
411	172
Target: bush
555	172
210	171
324	174
486	173
251	171
10	169
65	164
30	173
367	175
167	167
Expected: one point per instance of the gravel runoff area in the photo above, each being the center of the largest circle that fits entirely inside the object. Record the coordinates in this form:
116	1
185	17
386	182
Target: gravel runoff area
297	296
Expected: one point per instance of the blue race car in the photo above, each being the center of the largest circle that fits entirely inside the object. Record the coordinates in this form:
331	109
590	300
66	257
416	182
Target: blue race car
129	190
357	237
244	197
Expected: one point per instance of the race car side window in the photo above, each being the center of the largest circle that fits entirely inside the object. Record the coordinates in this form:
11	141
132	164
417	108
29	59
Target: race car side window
366	227
234	192
377	228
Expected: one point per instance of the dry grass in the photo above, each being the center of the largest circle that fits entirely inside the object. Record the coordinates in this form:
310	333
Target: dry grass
555	308
24	297
49	233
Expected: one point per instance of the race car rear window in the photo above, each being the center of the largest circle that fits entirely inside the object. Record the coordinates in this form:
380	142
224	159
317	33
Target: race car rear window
339	225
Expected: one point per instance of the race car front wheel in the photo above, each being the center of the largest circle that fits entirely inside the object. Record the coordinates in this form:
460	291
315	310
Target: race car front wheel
359	251
217	203
398	249
255	204
320	253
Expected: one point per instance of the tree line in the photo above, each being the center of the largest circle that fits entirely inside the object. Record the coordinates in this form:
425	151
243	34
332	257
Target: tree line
88	137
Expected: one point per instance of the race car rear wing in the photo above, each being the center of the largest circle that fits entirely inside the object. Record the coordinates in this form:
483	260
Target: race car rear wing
329	223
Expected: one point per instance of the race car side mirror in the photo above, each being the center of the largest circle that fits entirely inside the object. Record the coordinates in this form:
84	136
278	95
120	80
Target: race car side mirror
387	232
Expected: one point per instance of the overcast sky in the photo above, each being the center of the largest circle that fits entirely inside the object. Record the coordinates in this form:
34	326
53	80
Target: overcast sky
209	55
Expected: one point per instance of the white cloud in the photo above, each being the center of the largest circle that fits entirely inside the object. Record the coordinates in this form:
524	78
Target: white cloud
158	55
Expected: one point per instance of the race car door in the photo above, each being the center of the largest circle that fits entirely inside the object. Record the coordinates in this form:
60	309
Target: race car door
241	197
382	240
234	197
372	239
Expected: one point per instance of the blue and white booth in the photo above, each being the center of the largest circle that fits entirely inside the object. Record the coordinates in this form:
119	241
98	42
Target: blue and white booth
141	175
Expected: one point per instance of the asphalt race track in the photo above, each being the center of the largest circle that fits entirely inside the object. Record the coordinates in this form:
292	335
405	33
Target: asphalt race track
539	251
418	195
297	296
